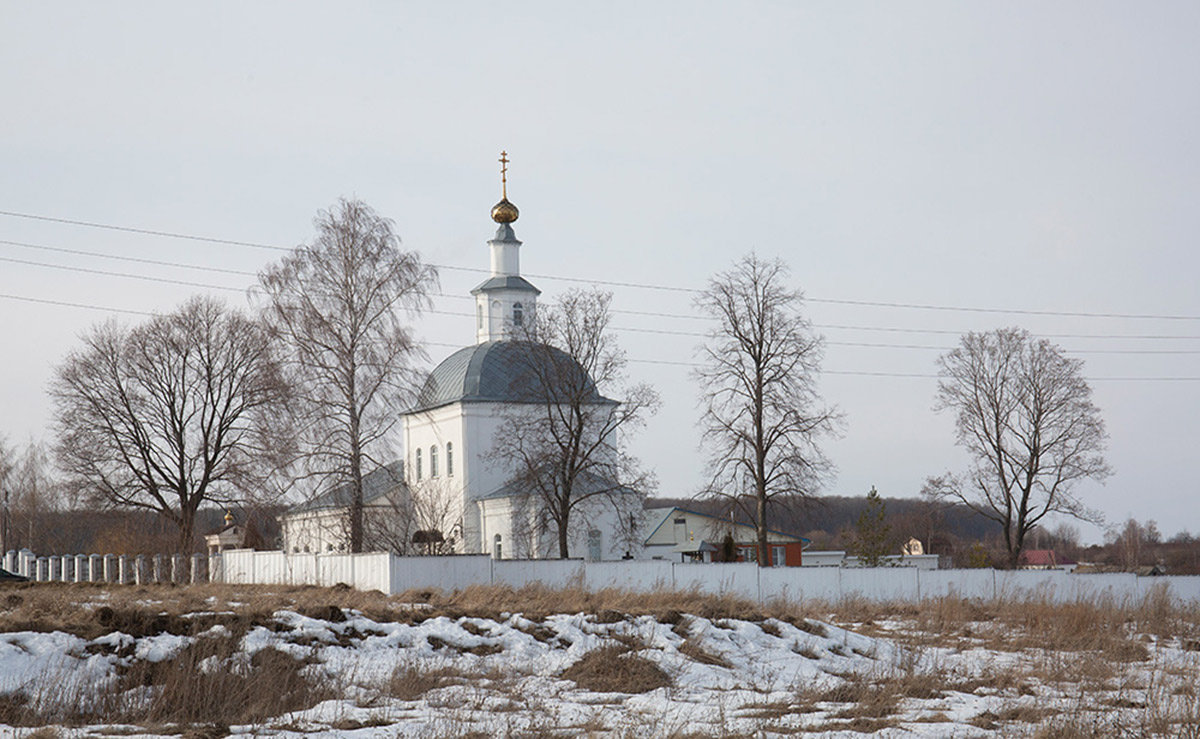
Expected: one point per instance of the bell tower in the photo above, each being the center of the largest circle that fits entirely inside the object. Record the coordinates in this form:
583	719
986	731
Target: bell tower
506	302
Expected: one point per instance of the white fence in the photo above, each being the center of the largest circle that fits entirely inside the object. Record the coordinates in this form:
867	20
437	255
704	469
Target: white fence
392	575
114	568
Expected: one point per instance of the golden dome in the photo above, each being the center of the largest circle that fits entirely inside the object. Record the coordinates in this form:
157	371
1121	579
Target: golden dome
505	212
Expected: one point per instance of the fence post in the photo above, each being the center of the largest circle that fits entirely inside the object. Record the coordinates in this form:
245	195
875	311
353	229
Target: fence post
197	558
55	568
28	564
110	568
177	573
123	573
10	561
43	569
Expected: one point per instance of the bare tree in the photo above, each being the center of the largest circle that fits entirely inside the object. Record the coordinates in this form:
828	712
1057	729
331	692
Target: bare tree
1025	415
6	465
567	442
339	303
32	495
763	417
412	521
171	414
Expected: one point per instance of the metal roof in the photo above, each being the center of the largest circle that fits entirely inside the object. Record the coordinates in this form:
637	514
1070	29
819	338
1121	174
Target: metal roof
505	372
506	282
375	485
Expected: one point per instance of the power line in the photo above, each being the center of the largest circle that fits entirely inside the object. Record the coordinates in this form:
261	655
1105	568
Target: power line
149	232
75	305
665	362
138	260
120	274
647	286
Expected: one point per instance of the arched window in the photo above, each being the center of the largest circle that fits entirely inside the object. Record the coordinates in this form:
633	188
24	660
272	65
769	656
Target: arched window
418	464
518	314
497	548
433	461
449	459
479	315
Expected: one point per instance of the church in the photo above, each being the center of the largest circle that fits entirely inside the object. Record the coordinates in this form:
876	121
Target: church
457	495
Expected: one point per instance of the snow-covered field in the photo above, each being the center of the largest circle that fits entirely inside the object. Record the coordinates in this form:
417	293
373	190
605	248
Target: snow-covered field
599	674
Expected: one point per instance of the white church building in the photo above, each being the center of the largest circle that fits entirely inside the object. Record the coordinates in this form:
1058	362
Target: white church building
460	492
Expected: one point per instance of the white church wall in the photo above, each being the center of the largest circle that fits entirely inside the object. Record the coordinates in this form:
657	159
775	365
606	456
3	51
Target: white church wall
439	498
314	531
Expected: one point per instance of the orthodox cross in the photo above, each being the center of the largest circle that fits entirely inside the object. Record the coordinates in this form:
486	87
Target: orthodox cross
504	175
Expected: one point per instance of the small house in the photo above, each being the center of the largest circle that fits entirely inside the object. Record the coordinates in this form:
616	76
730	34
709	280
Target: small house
682	535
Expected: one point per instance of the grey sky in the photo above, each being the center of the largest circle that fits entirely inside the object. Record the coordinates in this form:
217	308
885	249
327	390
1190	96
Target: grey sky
1035	156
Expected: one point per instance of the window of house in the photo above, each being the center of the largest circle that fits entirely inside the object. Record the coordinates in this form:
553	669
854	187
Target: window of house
418	464
497	547
433	471
778	556
749	554
449	459
518	314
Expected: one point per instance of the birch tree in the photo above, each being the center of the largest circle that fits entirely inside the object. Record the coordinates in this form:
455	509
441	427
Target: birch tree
341	304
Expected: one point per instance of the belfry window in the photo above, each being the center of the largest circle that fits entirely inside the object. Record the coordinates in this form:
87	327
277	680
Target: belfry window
449	459
479	315
518	314
418	464
433	471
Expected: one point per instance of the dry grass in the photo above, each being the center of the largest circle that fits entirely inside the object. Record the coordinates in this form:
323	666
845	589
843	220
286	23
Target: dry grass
613	669
1087	648
695	651
208	683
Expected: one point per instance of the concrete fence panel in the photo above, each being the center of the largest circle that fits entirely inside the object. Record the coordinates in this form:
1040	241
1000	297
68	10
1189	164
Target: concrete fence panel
725	578
879	583
799	584
628	575
444	573
553	573
957	584
1183	587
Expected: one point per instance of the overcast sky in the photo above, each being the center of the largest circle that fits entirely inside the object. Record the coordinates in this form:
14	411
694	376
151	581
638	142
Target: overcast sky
974	157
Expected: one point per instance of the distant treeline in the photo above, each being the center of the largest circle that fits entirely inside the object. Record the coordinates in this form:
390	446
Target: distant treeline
126	532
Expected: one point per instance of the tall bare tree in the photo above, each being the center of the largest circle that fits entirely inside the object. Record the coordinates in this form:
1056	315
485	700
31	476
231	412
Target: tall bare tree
1024	413
763	417
171	414
340	304
568	443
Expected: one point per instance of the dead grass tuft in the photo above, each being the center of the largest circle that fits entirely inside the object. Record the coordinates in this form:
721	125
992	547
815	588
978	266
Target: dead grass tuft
613	669
410	682
695	651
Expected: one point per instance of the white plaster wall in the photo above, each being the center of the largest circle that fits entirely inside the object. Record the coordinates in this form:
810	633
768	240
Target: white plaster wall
497	308
314	531
436	427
